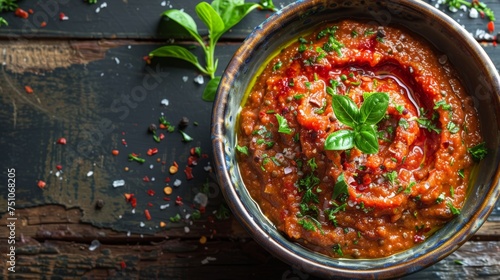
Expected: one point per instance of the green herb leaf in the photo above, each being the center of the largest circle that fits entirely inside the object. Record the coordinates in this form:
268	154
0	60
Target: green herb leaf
243	150
283	124
232	12
478	152
211	19
340	187
345	110
178	52
186	21
453	209
340	140
366	139
211	89
374	108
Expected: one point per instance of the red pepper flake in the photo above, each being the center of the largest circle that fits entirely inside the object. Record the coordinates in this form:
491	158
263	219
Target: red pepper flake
62	16
146	213
146	179
167	180
128	196
189	173
21	13
202	209
41	184
133	201
115	152
59	167
192	161
30	11
178	200
151	192
147	58
204	155
43	24
166	198
491	26
123	265
124	142
162	136
152	151
61	141
150	204
28	89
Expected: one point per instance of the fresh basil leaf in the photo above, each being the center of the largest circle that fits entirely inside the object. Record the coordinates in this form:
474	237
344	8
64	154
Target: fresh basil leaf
186	21
340	140
211	19
268	5
211	89
366	139
340	186
345	110
233	11
178	52
374	108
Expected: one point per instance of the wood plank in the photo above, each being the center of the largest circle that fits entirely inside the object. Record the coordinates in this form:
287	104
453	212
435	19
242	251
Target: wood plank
141	20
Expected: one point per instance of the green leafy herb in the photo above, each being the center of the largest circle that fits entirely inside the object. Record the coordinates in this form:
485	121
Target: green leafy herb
338	249
283	124
185	136
243	150
196	215
7	6
442	104
426	123
440	198
362	121
453	209
340	187
452	127
461	173
222	213
331	213
134	157
478	152
176	218
218	17
277	66
391	177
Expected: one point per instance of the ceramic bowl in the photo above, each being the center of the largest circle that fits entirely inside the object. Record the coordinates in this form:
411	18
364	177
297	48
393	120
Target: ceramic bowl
476	71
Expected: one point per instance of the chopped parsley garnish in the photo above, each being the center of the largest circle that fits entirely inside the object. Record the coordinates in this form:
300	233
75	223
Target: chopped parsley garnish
442	104
391	177
403	123
338	249
283	124
461	173
277	66
440	198
452	127
340	188
478	152
426	123
243	150
453	209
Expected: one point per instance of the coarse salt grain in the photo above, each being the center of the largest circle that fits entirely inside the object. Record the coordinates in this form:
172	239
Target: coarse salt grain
177	182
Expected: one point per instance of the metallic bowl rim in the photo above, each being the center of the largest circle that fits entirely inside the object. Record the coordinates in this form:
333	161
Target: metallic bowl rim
289	255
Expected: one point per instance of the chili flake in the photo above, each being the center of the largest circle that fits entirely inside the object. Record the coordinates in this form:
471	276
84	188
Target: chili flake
146	213
59	167
62	16
189	173
163	224
123	265
178	201
41	184
151	192
115	152
491	26
21	13
28	89
152	151
61	141
145	179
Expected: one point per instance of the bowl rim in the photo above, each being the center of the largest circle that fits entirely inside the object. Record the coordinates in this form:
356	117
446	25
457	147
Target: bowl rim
262	235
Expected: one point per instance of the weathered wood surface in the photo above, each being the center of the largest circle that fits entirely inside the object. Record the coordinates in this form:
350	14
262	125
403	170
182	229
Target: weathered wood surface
92	86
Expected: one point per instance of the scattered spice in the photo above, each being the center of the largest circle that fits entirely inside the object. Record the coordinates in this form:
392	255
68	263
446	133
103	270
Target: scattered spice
115	152
174	168
59	167
491	26
203	239
43	24
151	192
61	141
178	201
135	157
147	214
123	265
189	173
28	89
167	190
21	13
183	123
99	204
152	151
62	16
163	224
41	184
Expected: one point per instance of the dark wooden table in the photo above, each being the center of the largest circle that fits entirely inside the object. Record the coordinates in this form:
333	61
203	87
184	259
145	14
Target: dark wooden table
91	86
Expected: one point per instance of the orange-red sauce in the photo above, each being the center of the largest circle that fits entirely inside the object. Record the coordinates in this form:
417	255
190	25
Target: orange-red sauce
389	201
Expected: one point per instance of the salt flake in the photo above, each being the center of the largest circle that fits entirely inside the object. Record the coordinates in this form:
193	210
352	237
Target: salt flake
118	183
199	80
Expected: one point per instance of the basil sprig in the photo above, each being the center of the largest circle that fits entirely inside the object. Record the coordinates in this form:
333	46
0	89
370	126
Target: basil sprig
362	121
218	17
